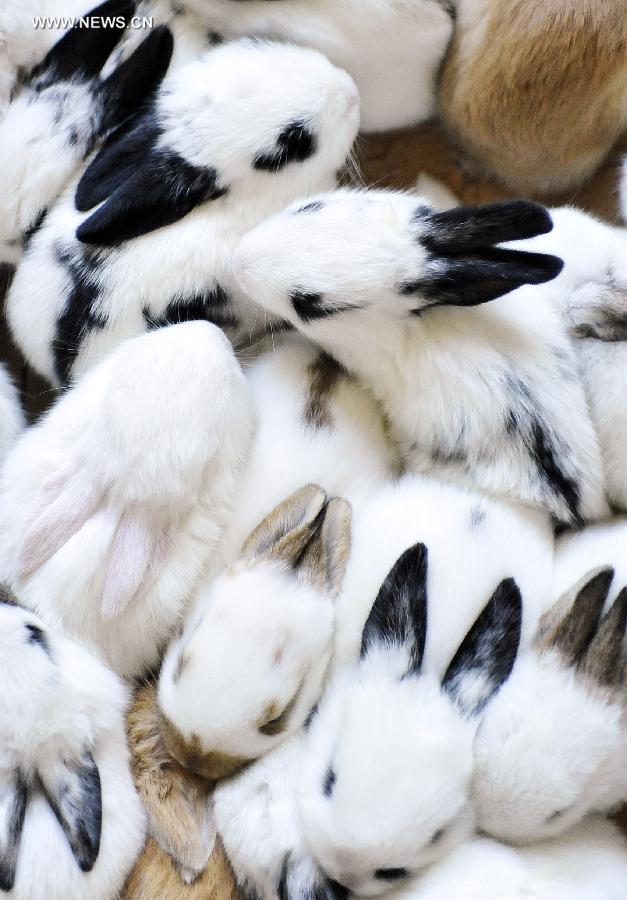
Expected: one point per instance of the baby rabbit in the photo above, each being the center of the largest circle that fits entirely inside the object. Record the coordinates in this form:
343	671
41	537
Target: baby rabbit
537	92
553	745
62	109
132	473
250	664
393	50
231	138
489	397
71	823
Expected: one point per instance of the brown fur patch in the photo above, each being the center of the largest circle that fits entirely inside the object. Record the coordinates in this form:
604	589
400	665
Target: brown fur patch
274	722
324	561
324	375
210	765
156	878
604	660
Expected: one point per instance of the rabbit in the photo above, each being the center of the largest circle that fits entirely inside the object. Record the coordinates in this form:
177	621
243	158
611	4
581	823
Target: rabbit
71	823
12	420
536	92
487	397
393	49
587	863
242	131
251	661
62	109
132	473
553	745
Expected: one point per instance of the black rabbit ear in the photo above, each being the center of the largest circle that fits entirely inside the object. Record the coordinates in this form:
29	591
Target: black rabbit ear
301	879
604	660
73	791
83	51
487	654
398	617
135	81
161	193
13	796
467	228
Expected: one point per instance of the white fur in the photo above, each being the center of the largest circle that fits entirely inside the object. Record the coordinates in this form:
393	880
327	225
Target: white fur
11	416
587	863
392	48
622	189
218	111
59	703
448	380
114	504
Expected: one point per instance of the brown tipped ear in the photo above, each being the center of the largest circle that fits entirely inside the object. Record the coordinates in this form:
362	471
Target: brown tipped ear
286	531
572	623
604	660
325	558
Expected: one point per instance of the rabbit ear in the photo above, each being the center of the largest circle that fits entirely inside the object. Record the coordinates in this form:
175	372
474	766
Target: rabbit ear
136	80
325	557
82	52
287	530
572	623
398	617
63	506
465	228
487	654
604	660
301	878
72	788
13	796
138	550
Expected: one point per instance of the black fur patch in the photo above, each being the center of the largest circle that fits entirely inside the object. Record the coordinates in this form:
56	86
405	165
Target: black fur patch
77	804
329	782
399	614
546	460
32	229
477	518
295	143
37	636
313	206
15	799
214	306
308	306
391	874
486	656
80	315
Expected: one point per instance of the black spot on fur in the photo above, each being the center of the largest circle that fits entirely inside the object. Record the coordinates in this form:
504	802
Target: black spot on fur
314	206
213	306
486	656
477	518
311	716
30	232
80	315
72	137
307	306
546	460
37	636
295	143
214	39
13	800
399	614
329	782
391	874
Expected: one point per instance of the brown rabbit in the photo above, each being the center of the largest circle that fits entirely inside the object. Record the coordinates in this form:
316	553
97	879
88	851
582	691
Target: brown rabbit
182	859
535	91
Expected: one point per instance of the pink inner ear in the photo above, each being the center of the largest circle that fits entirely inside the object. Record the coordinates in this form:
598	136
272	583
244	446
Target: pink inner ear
138	551
63	506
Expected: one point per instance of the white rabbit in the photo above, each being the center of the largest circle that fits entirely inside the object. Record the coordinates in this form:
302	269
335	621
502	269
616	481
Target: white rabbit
490	396
392	48
587	863
231	138
11	415
71	823
112	506
250	664
553	745
62	109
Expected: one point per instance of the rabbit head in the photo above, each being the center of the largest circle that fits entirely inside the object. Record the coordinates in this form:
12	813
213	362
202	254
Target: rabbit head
552	746
248	118
386	782
351	251
250	664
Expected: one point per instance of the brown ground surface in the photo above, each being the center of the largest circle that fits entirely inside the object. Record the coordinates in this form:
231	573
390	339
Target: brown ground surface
391	160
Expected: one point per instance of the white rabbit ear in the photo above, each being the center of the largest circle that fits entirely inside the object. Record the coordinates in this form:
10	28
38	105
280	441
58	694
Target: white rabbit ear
486	656
138	551
13	797
72	789
604	660
398	617
285	532
572	622
301	879
325	557
63	506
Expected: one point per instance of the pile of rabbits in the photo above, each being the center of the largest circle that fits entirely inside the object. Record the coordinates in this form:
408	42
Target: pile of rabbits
313	575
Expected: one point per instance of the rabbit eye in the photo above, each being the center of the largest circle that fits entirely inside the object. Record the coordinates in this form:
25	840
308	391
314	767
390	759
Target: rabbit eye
391	874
